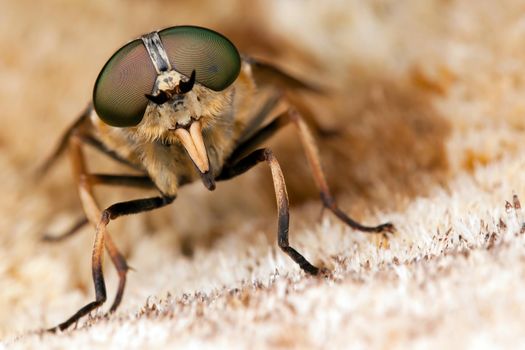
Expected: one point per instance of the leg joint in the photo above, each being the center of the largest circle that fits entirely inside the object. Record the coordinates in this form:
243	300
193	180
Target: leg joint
328	200
100	298
106	217
293	114
282	242
168	199
267	154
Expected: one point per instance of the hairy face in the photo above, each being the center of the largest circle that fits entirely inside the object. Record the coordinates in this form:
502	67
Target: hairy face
183	116
180	110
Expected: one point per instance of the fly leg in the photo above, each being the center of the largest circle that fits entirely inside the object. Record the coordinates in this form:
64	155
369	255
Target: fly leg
268	75
101	219
64	141
83	221
77	130
312	155
101	239
102	179
281	196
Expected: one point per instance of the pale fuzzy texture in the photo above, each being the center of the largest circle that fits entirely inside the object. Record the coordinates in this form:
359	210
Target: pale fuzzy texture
452	276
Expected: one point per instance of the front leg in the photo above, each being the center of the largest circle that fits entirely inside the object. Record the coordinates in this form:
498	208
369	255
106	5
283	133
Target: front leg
111	213
101	219
281	195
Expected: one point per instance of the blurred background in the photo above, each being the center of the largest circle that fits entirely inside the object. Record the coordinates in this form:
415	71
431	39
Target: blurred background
405	86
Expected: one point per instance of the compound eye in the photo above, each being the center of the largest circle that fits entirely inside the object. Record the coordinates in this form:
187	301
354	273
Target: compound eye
119	93
214	58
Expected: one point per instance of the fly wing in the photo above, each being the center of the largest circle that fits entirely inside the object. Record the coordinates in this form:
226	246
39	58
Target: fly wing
266	74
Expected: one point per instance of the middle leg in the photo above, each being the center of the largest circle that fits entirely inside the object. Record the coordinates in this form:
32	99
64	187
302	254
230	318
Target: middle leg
312	155
314	162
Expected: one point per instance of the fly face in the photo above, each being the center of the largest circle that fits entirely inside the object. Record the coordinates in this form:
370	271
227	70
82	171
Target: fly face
178	111
168	86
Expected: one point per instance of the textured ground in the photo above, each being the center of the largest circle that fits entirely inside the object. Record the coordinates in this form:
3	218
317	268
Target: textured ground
428	100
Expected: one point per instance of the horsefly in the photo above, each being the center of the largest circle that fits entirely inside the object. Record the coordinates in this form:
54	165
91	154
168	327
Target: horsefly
177	105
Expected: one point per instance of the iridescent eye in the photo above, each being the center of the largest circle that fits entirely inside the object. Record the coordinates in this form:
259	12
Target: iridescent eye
214	58
119	92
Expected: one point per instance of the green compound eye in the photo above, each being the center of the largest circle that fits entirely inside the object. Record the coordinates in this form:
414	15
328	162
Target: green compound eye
119	91
214	58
